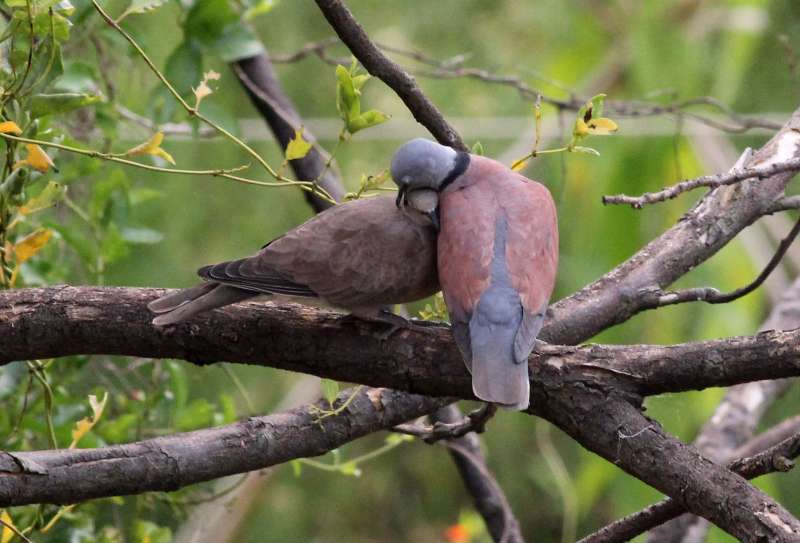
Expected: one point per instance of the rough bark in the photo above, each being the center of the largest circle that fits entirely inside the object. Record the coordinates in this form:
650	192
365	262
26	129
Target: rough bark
168	463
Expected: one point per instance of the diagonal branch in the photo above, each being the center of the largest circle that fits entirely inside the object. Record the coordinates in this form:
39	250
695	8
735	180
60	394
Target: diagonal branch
775	458
379	65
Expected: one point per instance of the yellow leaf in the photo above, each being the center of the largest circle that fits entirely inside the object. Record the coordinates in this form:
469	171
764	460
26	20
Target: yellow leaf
203	89
10	127
83	426
581	128
298	147
519	165
36	159
151	147
8	532
28	246
601	126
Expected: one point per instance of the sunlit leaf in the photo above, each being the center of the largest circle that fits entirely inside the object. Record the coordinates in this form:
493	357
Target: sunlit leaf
259	8
330	389
585	150
140	6
297	147
50	196
31	244
477	148
36	159
602	126
519	165
8	525
203	89
10	127
83	426
151	147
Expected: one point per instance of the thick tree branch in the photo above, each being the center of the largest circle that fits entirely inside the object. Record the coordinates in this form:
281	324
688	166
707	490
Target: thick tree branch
258	79
62	321
584	390
168	463
352	34
775	458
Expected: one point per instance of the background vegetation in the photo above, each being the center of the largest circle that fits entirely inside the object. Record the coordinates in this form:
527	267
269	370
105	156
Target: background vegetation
126	226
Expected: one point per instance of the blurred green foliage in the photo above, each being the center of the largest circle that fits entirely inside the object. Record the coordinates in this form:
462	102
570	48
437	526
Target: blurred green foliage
123	226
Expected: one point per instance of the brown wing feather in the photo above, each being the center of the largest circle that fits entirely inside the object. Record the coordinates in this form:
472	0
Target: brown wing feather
361	253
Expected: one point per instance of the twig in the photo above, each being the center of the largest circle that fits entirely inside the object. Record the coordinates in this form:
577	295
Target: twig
710	181
376	63
473	422
776	458
713	296
226	173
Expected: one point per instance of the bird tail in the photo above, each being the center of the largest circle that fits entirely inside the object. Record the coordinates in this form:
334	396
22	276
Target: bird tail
187	303
496	375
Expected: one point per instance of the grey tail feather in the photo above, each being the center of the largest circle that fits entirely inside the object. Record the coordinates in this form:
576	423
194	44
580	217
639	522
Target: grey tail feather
501	381
172	301
496	376
198	301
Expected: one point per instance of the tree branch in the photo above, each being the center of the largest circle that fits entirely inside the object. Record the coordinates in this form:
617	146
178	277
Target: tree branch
168	463
352	34
590	392
775	458
710	181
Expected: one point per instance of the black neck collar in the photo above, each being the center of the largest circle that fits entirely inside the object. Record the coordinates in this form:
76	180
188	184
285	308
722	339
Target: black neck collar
460	166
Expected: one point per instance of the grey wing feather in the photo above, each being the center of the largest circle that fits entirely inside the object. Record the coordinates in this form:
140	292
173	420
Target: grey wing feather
251	274
525	340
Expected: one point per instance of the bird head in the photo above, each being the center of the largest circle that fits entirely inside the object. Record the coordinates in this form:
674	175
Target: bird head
424	166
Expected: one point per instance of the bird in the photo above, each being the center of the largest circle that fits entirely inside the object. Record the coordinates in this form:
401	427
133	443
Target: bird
361	256
497	254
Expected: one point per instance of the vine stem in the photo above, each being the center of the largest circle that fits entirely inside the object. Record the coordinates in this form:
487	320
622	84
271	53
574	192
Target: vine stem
220	172
194	112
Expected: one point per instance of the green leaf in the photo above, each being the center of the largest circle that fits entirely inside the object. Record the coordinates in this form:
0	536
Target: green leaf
368	119
585	150
148	532
198	414
330	389
50	196
141	6
185	67
261	7
228	406
477	149
208	19
236	42
297	468
78	77
348	103
351	469
113	247
49	104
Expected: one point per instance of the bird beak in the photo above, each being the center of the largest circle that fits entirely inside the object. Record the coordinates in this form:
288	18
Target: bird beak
434	218
401	196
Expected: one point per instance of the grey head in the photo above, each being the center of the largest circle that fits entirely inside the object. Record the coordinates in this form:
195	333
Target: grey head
424	165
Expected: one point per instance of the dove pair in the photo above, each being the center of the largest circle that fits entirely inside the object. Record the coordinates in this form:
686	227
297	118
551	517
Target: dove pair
484	234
